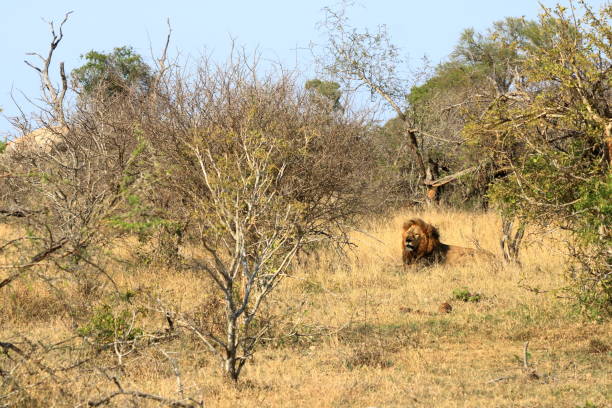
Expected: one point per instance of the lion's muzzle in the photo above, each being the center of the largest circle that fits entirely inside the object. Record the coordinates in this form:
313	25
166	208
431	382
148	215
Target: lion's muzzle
410	245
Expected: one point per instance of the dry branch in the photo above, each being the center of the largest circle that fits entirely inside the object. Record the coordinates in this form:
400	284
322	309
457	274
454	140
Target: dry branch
35	260
447	179
56	97
143	395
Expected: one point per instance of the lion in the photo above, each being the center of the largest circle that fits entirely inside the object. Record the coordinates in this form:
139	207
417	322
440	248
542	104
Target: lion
421	244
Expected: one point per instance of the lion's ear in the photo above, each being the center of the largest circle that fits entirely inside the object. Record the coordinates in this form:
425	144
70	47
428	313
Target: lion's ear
407	224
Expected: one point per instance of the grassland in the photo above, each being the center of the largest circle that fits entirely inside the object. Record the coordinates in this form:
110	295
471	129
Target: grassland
351	330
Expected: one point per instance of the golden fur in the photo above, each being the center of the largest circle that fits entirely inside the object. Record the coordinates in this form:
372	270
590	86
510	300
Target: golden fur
421	243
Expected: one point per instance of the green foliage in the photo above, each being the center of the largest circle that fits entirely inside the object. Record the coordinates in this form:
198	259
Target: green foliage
587	405
464	295
328	89
108	325
115	71
548	177
594	303
595	205
138	217
479	57
498	51
554	134
447	77
2	146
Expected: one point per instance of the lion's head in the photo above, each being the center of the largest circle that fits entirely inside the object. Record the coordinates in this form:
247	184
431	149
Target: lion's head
419	239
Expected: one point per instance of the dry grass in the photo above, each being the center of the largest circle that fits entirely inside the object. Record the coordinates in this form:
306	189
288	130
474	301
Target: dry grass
357	331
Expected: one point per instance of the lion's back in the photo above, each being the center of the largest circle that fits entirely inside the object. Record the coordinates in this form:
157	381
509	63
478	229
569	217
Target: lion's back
457	255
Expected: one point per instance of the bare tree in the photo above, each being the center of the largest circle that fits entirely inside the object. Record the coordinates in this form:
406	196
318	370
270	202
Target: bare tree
510	241
250	233
52	95
66	184
369	59
262	170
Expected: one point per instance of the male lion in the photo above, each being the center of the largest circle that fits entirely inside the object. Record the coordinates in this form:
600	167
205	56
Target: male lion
421	243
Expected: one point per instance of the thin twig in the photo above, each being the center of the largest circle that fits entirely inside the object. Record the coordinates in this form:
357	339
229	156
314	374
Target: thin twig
143	395
499	379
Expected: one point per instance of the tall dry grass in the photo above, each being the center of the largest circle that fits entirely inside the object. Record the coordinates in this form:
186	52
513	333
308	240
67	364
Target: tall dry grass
353	330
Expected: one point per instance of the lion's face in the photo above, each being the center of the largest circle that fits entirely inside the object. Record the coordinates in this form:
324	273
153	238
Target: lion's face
413	238
419	239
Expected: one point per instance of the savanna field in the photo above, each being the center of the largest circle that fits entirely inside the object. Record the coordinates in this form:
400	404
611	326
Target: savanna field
346	329
233	231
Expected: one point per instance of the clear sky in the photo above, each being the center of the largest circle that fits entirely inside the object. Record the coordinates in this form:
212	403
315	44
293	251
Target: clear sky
280	29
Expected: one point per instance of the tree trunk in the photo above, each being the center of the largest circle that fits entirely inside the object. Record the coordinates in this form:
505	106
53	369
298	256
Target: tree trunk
432	173
608	143
510	243
414	147
231	366
431	195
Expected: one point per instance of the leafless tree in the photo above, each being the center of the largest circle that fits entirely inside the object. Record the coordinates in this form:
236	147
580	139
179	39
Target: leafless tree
261	170
369	59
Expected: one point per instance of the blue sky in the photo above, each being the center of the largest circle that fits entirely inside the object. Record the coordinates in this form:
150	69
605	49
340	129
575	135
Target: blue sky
280	30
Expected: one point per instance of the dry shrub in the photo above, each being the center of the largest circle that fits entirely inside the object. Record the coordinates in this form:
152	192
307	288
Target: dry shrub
30	303
598	346
208	316
249	169
364	355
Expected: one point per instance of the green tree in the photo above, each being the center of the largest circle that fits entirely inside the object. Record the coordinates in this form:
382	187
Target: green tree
481	67
553	131
496	54
330	90
114	72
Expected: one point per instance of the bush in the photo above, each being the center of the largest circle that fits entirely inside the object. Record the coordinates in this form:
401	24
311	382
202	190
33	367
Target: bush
465	295
553	131
107	326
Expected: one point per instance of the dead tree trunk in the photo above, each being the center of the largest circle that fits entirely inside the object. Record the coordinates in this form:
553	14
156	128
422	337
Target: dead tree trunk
432	173
434	185
511	240
428	172
608	142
